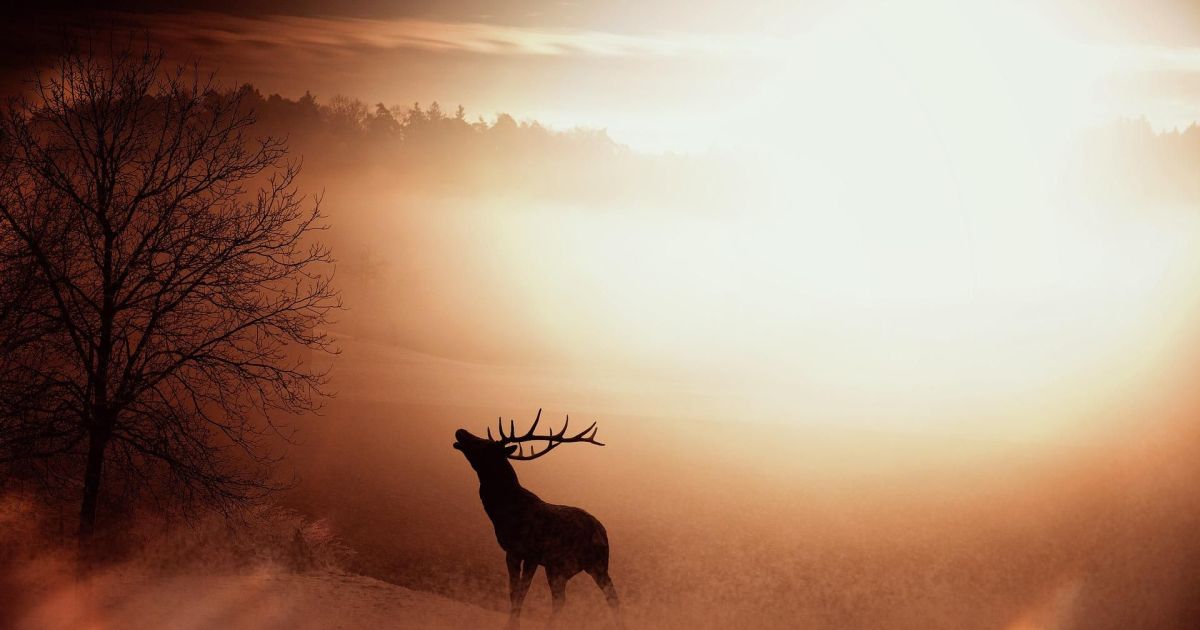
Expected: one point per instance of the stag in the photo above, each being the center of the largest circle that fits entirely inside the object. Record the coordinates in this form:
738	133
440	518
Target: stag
563	539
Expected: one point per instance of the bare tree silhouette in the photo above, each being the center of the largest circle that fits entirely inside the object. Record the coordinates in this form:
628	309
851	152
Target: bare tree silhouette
166	277
564	539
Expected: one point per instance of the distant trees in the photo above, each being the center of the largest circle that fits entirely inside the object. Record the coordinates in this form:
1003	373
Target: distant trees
1128	162
431	148
382	122
159	283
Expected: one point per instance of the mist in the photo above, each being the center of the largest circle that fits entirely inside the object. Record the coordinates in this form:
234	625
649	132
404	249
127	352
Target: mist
967	462
874	335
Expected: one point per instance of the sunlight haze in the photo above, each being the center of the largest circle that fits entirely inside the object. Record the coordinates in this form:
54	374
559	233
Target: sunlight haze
885	314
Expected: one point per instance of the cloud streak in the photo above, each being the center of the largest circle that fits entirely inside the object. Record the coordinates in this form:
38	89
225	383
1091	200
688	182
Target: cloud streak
356	34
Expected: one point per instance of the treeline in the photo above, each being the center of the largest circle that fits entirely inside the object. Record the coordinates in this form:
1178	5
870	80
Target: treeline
432	150
1128	162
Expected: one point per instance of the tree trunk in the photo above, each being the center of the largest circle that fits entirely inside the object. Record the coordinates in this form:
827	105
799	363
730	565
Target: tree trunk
91	485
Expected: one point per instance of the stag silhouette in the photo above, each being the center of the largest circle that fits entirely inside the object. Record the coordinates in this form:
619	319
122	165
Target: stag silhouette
564	539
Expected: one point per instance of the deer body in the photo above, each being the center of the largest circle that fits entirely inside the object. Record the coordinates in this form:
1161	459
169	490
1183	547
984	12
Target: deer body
560	535
565	540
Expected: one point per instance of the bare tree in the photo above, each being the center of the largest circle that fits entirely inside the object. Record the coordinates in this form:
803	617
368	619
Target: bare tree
170	279
24	389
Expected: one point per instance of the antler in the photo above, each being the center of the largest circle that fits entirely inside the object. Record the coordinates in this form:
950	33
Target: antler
553	439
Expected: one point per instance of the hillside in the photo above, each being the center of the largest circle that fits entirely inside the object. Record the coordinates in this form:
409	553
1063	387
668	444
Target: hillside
265	599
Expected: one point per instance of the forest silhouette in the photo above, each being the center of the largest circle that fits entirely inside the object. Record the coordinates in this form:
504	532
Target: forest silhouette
430	150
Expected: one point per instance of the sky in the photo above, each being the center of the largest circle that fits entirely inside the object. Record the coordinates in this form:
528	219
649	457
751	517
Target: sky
898	257
676	76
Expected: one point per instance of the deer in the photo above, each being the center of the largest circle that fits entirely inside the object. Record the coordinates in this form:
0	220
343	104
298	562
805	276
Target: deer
565	540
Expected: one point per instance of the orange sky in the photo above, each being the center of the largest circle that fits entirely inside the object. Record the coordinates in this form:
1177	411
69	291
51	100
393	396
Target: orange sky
896	254
897	257
661	76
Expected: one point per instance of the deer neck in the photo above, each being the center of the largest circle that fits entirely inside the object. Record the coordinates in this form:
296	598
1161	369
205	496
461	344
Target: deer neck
500	479
500	491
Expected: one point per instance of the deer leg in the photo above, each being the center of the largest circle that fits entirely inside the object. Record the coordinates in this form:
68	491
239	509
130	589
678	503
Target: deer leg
558	592
518	585
610	592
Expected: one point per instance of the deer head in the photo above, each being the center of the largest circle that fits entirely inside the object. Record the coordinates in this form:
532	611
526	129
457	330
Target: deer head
491	454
